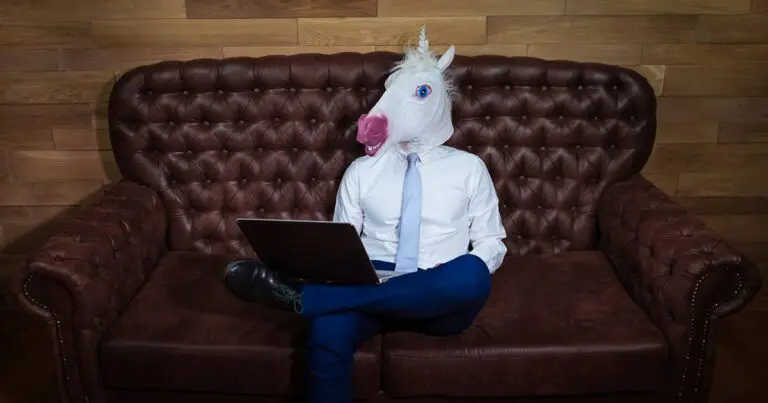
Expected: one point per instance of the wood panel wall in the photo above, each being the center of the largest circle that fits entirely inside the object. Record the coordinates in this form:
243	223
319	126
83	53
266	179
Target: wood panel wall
707	60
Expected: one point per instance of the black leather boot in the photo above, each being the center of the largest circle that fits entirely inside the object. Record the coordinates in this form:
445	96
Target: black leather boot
251	280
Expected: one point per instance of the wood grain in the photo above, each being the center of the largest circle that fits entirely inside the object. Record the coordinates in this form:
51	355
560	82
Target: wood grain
83	139
665	182
708	158
37	117
749	28
656	76
48	193
590	29
54	87
724	205
83	10
193	33
442	8
759	6
723	185
122	59
26	59
650	7
742	80
743	132
45	34
53	166
259	51
687	132
612	53
27	227
696	53
4	173
469	50
11	139
391	30
692	109
739	228
280	8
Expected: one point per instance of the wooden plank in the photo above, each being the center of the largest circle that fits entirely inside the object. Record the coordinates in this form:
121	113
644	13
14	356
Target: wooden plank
54	87
4	174
655	76
723	185
469	50
739	228
122	59
733	28
647	7
52	34
45	166
665	182
742	80
391	30
611	53
280	8
708	158
759	6
27	227
23	59
743	132
442	8
590	29
83	139
259	51
724	205
83	10
39	117
25	140
194	33
686	132
48	193
692	109
702	54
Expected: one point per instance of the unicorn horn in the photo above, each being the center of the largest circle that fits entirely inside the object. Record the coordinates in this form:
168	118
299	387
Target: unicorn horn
423	42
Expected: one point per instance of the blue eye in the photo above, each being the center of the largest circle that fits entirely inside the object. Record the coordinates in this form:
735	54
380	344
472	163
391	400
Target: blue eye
423	91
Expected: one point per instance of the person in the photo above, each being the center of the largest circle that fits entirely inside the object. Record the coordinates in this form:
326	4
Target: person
418	206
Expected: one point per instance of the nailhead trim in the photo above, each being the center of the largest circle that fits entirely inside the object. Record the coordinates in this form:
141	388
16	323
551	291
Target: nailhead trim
62	354
691	331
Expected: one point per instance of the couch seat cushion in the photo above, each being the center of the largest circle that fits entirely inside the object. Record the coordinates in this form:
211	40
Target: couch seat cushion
556	324
185	332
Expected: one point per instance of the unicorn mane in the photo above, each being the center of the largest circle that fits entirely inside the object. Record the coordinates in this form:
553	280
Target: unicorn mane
419	59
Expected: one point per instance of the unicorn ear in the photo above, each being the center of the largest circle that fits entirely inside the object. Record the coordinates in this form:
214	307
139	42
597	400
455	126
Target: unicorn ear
446	58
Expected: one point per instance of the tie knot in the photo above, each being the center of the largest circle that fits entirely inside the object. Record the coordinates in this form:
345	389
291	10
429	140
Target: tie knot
413	157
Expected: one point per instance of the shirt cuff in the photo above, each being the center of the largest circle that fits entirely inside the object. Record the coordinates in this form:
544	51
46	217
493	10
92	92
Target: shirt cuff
491	251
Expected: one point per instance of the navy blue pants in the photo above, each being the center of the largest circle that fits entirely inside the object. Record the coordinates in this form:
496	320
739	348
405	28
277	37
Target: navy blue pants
441	301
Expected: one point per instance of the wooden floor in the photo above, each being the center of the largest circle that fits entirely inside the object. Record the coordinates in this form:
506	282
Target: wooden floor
741	369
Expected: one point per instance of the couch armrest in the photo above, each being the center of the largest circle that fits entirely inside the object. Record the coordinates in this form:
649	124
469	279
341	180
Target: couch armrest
683	274
82	277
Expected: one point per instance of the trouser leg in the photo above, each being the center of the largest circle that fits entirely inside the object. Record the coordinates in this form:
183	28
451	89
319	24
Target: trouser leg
455	286
332	342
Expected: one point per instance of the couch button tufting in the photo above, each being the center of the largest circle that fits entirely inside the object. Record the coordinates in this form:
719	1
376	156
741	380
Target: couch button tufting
186	92
329	89
506	87
224	150
313	120
241	121
256	90
261	209
581	87
544	87
294	149
487	117
243	181
506	145
279	180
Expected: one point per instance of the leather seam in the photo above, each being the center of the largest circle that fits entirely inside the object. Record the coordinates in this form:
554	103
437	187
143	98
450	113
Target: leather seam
62	353
705	335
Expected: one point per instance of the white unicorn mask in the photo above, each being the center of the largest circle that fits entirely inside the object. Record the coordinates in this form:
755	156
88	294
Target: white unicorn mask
414	113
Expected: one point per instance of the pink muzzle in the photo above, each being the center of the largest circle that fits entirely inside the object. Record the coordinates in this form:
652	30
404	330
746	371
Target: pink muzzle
372	132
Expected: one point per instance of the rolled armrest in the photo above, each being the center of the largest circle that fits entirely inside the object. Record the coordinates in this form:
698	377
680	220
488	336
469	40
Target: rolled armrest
683	274
82	277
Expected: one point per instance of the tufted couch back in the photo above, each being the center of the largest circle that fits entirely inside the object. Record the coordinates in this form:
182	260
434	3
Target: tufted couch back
272	136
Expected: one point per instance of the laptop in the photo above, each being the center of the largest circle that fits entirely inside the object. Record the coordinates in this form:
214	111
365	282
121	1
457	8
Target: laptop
312	251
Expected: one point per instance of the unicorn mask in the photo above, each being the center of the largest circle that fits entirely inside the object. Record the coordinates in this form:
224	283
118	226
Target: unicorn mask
414	113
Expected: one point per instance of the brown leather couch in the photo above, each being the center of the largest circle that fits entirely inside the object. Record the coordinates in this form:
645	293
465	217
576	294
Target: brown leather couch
610	290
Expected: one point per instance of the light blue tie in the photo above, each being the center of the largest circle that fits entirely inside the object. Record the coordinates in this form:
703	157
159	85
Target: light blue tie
407	259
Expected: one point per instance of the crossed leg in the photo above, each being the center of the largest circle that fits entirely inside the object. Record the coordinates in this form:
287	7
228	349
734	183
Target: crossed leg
441	301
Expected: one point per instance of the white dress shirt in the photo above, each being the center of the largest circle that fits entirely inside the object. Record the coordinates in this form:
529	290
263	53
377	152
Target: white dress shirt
459	206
